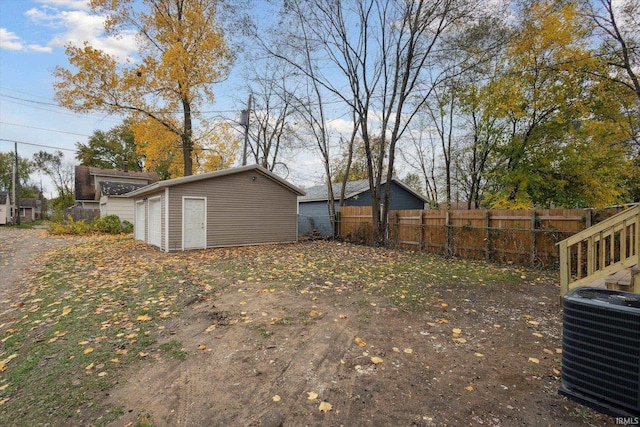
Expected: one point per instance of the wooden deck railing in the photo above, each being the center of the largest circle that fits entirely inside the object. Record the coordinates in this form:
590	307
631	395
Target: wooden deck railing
601	250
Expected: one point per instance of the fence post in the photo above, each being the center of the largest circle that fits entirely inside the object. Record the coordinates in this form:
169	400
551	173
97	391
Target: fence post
487	237
532	239
397	215
420	231
448	249
565	268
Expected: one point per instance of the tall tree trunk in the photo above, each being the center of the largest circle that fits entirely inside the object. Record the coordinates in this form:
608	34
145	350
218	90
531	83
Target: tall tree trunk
187	141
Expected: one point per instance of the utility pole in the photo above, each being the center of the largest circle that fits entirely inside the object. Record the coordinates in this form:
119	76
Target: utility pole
244	120
16	187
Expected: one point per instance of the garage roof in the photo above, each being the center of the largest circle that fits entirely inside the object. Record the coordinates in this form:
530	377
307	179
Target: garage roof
212	175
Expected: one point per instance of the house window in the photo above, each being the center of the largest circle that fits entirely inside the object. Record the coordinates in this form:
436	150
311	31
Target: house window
22	212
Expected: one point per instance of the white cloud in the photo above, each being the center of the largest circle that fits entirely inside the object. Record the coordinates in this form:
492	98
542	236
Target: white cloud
78	26
343	127
11	41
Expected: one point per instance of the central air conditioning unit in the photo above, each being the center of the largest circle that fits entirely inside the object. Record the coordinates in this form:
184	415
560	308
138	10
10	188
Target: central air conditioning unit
601	350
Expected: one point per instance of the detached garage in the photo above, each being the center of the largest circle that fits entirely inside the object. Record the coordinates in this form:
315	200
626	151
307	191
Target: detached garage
248	205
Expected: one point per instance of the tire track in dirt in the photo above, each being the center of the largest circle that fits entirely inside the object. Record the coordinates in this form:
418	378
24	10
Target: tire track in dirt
245	364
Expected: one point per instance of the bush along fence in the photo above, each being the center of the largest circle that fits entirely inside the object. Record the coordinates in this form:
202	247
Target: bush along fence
523	237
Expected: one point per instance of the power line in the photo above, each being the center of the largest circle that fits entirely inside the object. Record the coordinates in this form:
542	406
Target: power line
45	129
39	145
53	104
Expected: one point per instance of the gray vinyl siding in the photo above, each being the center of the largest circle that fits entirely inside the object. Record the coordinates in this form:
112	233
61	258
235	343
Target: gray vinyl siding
316	213
315	216
400	199
240	210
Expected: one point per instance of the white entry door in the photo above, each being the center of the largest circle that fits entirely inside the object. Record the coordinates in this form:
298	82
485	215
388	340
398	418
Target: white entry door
194	223
155	222
139	227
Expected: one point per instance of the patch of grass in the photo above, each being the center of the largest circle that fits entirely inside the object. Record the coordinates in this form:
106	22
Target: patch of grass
88	315
174	349
144	420
262	329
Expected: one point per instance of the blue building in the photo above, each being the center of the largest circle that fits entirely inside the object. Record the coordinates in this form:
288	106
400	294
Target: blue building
314	211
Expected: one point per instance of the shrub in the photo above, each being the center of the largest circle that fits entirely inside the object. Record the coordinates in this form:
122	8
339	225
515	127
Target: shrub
70	227
109	224
127	227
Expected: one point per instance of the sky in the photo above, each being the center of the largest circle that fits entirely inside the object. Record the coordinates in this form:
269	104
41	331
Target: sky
33	36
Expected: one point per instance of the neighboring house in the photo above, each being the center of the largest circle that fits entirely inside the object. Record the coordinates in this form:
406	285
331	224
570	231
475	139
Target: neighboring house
30	209
113	199
248	205
88	190
314	211
5	208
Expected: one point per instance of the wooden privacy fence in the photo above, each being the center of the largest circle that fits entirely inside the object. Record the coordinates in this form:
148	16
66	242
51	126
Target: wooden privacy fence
525	237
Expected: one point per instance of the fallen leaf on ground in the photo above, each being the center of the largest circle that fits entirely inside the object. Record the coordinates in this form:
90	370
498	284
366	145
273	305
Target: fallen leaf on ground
276	398
87	350
408	350
469	388
3	362
533	360
143	318
312	395
360	342
325	407
479	354
376	360
202	347
536	334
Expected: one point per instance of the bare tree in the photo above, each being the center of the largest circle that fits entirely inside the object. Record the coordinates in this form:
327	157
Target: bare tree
271	130
420	154
618	26
377	53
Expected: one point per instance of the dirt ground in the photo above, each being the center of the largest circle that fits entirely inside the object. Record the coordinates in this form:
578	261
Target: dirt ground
263	354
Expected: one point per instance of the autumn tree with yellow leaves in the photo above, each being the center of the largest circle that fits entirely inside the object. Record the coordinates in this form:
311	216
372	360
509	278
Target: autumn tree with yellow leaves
182	53
563	130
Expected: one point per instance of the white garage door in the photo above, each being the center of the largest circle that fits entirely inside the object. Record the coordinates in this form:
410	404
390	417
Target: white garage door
140	221
155	222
